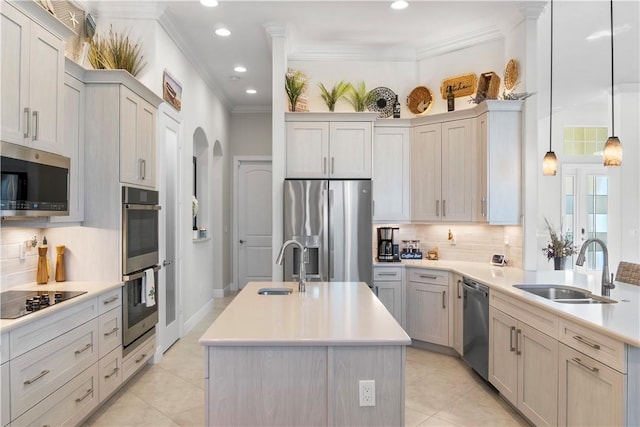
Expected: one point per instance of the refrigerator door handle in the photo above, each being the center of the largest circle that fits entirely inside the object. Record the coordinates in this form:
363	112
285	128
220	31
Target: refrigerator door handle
331	234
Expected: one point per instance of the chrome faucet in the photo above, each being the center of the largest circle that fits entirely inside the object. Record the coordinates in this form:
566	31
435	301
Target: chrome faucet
304	260
607	284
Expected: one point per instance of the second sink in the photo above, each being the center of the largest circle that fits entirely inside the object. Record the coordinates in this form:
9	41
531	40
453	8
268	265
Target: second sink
565	294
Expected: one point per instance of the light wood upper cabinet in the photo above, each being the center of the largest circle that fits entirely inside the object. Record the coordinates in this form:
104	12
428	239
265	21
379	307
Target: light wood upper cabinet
498	132
391	176
442	172
329	147
137	140
32	82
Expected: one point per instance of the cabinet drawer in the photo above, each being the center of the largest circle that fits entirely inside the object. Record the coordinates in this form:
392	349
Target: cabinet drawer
534	316
110	370
67	406
109	300
138	358
5	400
109	331
387	274
4	347
40	372
39	332
436	277
594	344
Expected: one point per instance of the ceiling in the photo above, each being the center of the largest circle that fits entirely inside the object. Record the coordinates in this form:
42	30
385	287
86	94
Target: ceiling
322	30
340	30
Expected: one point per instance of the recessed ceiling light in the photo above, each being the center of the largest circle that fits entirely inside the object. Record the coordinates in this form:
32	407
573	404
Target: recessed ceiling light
234	78
399	5
223	32
251	91
209	3
240	69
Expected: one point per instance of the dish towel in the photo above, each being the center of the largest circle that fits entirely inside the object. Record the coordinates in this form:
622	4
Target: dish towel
149	288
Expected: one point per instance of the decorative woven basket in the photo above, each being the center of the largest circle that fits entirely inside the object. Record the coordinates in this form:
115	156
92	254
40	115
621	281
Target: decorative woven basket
488	86
419	100
511	74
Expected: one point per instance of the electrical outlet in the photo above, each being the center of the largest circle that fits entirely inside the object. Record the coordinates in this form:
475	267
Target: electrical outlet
367	393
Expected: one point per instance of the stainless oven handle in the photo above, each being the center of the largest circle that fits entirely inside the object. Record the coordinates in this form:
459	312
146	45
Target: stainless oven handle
142	207
139	275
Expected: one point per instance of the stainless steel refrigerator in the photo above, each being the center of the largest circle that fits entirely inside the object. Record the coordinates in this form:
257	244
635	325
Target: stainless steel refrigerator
333	219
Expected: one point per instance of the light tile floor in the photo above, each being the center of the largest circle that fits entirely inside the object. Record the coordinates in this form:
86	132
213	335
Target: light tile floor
440	390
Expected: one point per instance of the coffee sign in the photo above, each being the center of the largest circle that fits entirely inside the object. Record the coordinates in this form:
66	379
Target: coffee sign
463	85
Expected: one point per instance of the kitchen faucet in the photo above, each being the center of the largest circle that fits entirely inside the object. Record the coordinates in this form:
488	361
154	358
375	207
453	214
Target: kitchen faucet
607	284
304	259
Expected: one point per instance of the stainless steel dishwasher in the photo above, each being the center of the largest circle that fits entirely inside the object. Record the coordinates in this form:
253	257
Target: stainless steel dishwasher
476	326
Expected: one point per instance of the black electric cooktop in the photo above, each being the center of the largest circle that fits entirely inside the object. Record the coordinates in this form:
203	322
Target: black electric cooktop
14	304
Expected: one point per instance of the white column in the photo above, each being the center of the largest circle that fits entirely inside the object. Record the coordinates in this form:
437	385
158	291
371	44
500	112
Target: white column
278	35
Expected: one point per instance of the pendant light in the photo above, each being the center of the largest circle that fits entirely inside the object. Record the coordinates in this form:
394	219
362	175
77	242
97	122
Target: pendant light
612	153
550	161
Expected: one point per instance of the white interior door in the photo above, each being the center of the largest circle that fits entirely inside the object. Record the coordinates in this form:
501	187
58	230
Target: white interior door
170	148
253	195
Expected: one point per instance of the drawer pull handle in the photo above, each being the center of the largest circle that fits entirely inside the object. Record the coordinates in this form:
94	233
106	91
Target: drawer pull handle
387	274
581	363
424	276
111	332
518	333
459	288
37	377
86	347
511	346
584	341
27	121
141	358
115	371
110	300
87	394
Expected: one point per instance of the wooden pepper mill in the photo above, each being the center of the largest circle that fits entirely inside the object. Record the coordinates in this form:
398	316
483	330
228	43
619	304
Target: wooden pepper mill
60	271
42	275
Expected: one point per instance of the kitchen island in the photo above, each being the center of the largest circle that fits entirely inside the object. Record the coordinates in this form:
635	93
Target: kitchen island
298	359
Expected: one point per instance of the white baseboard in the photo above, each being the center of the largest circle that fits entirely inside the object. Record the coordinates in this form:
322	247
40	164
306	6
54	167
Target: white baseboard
196	318
221	293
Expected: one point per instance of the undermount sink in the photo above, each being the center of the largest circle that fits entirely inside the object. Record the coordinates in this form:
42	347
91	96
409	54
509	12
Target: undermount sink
565	294
275	291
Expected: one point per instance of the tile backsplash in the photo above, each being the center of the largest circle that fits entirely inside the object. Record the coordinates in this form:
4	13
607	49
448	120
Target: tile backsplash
471	242
14	268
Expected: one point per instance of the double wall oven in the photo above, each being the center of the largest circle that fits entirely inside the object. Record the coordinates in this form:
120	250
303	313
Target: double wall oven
140	249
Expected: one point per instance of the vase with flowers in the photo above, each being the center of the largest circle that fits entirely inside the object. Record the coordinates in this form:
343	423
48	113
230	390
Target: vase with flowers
560	247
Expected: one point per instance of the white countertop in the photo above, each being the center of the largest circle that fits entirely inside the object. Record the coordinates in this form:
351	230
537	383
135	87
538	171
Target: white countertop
327	314
620	320
93	289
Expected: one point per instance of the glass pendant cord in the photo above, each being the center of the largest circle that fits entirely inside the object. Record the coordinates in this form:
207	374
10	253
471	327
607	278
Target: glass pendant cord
612	153
550	161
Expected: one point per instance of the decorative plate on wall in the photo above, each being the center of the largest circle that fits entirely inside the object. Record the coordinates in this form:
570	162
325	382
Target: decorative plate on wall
419	100
511	74
382	102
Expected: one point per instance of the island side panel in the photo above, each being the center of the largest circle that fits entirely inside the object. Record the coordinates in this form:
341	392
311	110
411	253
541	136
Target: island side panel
267	386
384	365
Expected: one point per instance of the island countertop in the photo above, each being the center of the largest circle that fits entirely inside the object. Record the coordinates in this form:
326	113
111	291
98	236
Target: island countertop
328	313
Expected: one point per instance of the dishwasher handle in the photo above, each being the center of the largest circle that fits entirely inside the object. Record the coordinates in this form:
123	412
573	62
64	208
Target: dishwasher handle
475	287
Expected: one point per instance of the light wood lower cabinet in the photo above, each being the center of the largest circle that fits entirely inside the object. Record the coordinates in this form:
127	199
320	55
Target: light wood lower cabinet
388	285
590	393
523	366
5	407
456	302
110	370
427	313
135	360
68	405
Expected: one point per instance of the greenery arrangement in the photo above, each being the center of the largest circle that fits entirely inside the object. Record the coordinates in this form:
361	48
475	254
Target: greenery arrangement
359	97
561	244
338	90
294	84
115	52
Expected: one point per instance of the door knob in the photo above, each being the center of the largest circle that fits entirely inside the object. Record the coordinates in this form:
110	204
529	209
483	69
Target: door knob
165	263
242	241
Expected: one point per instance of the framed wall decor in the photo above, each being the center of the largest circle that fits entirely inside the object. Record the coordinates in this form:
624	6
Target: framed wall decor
171	90
462	85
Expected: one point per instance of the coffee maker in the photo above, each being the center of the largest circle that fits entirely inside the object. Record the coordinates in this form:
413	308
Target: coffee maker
388	250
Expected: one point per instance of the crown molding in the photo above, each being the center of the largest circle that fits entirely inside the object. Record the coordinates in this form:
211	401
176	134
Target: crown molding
463	41
146	10
168	25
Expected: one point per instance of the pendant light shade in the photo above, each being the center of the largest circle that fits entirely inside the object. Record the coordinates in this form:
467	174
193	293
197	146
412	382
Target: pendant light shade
612	153
550	161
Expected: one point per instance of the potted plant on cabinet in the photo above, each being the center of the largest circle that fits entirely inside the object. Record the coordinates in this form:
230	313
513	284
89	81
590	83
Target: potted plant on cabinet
560	247
332	96
359	97
294	84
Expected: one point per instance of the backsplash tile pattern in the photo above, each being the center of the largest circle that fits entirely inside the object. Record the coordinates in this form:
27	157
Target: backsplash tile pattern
13	270
472	242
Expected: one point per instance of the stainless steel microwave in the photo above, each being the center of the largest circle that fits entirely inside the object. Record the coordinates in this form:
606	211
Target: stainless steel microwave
34	182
